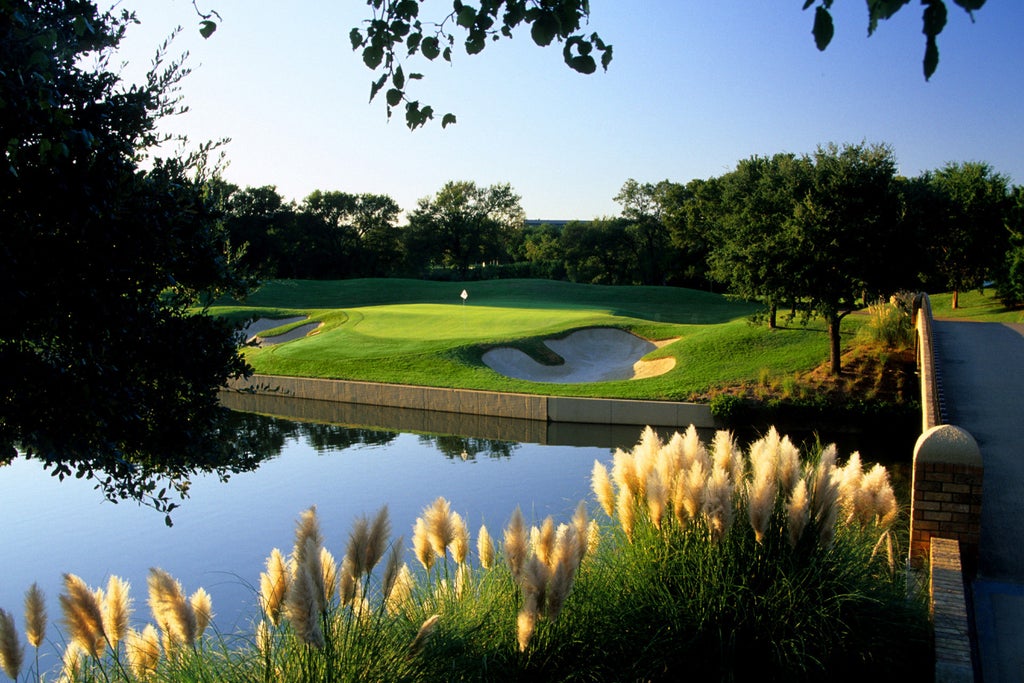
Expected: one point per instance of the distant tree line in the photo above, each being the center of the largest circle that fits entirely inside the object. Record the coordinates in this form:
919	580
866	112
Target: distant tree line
769	229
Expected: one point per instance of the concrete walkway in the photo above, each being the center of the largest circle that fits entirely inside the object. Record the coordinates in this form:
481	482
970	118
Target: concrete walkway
982	373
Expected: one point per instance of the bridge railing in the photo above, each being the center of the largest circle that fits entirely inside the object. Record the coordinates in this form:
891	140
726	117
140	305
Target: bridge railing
945	508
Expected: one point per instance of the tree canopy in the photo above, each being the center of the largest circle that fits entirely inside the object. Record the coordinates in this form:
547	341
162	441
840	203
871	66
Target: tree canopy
104	369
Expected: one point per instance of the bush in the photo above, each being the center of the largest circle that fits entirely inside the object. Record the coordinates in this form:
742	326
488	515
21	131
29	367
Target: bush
890	323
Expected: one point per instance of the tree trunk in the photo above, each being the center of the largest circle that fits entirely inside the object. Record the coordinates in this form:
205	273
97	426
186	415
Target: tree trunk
956	299
834	357
773	314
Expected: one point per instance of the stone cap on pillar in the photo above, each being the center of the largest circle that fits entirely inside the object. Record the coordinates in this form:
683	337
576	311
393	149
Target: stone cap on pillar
947	444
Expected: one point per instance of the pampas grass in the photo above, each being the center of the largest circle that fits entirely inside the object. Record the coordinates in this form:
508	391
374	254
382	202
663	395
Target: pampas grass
12	653
35	616
83	617
274	586
143	651
172	612
806	591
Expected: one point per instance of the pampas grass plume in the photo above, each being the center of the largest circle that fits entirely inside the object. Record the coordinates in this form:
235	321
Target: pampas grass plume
391	569
116	610
308	538
421	544
657	498
143	651
401	592
12	654
423	635
35	616
302	608
83	617
358	542
485	547
515	543
377	541
542	541
460	538
626	506
797	513
348	582
172	612
202	607
601	484
274	586
439	525
526	622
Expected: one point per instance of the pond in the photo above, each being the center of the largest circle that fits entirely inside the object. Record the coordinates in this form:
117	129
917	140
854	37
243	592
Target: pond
223	532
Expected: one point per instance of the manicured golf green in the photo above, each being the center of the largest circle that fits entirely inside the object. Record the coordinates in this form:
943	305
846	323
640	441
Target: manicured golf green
422	333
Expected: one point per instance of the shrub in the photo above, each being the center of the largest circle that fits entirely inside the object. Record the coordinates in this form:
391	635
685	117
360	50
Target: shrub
889	323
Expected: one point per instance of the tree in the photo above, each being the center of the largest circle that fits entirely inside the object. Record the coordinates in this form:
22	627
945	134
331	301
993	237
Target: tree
1010	286
844	227
104	369
755	247
691	214
463	224
966	223
601	251
642	208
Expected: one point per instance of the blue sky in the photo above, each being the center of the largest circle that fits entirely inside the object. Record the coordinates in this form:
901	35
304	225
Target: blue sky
693	88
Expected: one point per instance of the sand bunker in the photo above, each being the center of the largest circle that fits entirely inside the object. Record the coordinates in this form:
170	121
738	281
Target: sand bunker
598	354
252	330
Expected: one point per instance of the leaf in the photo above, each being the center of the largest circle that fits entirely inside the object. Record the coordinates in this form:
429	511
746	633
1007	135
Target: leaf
430	47
356	37
394	96
399	78
377	85
545	28
413	41
606	57
823	28
584	64
373	55
447	119
207	28
476	44
466	17
447	54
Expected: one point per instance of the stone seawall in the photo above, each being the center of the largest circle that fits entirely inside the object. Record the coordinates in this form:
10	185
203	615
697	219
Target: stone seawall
596	411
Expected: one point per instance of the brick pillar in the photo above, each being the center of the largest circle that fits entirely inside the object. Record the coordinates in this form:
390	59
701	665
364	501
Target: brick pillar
946	500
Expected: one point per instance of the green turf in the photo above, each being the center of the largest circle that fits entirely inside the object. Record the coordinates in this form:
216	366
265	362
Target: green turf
979	306
415	332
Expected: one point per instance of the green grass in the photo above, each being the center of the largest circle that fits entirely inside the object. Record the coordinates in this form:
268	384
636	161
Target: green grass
416	332
976	306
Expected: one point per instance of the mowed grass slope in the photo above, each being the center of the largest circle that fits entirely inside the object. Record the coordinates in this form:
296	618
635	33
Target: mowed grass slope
416	332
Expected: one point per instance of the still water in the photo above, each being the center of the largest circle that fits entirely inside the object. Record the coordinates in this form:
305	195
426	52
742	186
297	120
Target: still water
224	531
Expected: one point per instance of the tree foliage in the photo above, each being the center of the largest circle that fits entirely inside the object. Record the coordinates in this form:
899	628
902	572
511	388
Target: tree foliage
933	20
463	224
104	369
965	219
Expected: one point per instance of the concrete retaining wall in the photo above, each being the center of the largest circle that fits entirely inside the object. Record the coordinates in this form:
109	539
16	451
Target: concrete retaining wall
598	411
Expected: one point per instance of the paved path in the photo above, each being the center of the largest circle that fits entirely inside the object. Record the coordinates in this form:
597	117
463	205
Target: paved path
982	371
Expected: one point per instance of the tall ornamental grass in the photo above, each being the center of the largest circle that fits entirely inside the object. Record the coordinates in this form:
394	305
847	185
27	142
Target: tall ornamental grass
708	563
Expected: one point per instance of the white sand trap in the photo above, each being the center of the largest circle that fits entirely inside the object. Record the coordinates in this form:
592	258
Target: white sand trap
252	330
598	354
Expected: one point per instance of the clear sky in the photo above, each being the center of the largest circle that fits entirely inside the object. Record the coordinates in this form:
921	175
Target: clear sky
694	87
